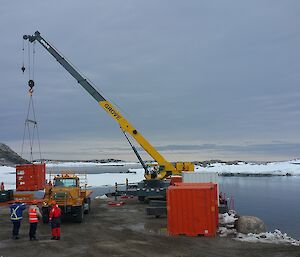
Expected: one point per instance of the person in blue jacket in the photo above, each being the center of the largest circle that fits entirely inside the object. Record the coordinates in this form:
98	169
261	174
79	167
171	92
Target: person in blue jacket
16	216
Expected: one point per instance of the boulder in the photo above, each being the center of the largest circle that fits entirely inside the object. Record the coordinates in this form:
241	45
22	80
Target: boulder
250	224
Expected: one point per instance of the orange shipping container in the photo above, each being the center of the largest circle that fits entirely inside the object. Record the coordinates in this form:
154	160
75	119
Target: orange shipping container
30	177
205	185
192	209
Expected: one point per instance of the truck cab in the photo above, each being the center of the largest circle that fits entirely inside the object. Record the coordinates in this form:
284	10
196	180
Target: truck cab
72	199
66	182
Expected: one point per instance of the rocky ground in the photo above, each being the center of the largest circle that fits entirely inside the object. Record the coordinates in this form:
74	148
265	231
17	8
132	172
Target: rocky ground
125	231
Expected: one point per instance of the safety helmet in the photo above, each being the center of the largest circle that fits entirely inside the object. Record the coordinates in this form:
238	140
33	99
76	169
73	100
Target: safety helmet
53	202
34	202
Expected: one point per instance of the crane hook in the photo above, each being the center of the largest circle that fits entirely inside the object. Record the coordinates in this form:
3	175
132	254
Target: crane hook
31	83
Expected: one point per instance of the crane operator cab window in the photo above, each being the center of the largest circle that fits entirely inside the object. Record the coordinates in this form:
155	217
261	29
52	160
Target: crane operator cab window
65	182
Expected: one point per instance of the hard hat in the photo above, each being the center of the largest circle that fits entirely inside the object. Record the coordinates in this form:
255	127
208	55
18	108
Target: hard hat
34	202
53	202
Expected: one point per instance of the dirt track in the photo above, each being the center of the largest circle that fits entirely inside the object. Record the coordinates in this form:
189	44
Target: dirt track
124	231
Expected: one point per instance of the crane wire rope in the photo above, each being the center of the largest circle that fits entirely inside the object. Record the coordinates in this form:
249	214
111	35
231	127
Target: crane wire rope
23	57
31	109
29	63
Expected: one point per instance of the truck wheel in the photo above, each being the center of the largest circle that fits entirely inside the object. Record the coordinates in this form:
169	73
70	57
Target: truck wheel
88	202
79	217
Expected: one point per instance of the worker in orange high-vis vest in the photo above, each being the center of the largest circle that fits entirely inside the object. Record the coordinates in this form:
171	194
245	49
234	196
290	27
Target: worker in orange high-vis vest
54	219
34	217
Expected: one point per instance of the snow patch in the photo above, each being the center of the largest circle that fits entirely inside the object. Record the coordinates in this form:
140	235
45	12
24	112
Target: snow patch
226	218
276	237
101	197
8	177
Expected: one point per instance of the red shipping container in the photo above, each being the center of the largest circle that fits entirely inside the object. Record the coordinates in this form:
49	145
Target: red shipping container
192	209
205	184
30	177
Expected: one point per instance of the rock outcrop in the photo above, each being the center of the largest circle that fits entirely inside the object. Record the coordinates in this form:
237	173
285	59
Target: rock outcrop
8	157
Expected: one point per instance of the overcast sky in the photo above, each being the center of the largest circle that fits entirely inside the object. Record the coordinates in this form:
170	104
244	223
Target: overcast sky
199	79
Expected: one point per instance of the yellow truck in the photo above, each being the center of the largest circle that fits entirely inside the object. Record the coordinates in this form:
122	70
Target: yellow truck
74	200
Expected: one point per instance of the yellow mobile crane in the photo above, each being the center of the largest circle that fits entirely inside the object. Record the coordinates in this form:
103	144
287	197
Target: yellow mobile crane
153	177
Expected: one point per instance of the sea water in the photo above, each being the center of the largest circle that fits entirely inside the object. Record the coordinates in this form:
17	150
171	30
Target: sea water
275	200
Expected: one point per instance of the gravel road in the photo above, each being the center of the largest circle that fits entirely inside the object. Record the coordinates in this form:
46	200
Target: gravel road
124	231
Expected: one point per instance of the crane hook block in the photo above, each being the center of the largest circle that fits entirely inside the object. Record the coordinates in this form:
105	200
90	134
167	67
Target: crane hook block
31	83
23	68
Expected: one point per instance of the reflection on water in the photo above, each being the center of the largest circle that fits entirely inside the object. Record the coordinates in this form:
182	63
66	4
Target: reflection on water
273	199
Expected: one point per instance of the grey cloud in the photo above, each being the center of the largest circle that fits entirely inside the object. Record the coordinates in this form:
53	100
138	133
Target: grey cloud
273	148
209	71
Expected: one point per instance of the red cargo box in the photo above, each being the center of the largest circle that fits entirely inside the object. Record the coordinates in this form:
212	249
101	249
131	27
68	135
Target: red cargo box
192	209
205	184
30	177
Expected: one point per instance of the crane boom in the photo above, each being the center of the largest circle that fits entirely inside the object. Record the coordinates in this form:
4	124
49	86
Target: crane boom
166	168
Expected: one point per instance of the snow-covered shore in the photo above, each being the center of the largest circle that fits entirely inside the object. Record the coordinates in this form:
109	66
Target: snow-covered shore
7	174
282	168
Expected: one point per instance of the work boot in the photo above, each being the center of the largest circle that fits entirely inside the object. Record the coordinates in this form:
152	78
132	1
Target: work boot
15	237
53	238
57	238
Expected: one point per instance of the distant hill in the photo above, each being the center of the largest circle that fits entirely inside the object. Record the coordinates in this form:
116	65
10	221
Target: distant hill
8	157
